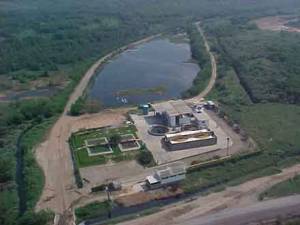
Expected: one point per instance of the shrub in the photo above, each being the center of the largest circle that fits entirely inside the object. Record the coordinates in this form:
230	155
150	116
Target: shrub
115	139
145	158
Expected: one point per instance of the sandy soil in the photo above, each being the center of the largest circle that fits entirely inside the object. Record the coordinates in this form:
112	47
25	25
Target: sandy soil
243	195
100	174
275	23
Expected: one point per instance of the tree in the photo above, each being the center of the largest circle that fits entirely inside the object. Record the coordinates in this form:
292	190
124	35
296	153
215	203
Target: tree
40	218
5	170
115	139
76	107
145	157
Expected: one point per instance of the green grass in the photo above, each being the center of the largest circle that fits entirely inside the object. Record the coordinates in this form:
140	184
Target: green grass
84	160
228	173
78	139
228	90
142	91
285	188
95	209
275	127
77	143
91	210
34	176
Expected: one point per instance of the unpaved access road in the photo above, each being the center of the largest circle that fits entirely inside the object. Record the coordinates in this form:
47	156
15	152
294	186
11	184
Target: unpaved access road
207	207
53	155
213	77
258	213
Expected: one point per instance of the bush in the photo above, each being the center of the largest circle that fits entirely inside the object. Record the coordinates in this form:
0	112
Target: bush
98	188
115	139
40	218
145	158
5	170
76	107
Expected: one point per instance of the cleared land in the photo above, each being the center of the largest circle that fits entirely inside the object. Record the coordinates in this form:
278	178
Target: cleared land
276	23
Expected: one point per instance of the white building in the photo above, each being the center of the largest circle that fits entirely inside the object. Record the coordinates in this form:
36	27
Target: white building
166	175
190	139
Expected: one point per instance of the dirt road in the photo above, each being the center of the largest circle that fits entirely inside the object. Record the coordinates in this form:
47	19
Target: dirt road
213	77
53	155
241	196
259	213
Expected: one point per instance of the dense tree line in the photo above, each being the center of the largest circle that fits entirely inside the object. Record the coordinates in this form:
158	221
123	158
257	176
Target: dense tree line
200	54
267	63
37	37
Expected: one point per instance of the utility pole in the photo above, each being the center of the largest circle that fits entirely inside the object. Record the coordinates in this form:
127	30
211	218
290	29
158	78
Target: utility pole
228	139
109	201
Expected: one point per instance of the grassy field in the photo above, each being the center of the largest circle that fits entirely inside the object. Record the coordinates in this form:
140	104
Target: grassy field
274	127
285	188
78	139
91	210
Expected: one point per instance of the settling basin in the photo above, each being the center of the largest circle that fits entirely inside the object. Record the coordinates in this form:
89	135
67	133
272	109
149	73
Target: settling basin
157	70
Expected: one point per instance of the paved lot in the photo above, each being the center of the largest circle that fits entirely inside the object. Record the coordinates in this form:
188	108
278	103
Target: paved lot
161	155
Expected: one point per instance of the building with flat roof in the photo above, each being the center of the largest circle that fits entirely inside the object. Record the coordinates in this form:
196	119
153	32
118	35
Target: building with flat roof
175	113
166	175
190	139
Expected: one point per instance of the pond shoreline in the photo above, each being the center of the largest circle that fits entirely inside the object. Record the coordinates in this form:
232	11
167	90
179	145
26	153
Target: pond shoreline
162	63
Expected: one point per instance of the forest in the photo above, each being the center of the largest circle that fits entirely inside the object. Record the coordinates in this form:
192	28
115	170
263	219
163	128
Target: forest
43	38
267	63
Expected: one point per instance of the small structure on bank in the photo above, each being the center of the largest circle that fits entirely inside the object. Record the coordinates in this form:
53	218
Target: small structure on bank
166	175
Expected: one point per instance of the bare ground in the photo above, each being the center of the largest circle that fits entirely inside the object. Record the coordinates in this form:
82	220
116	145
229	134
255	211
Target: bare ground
243	195
275	23
54	157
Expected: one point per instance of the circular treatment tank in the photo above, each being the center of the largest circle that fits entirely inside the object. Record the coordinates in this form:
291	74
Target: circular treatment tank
158	130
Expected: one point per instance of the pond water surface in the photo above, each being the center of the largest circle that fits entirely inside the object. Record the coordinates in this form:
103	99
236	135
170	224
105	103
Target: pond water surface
156	70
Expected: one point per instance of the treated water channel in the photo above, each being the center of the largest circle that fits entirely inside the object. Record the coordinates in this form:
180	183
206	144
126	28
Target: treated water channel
160	69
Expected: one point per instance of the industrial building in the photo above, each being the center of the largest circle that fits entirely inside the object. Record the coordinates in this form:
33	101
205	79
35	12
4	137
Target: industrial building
166	175
190	139
174	113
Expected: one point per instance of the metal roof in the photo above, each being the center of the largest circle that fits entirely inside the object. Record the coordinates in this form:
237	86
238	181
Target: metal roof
173	107
172	169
